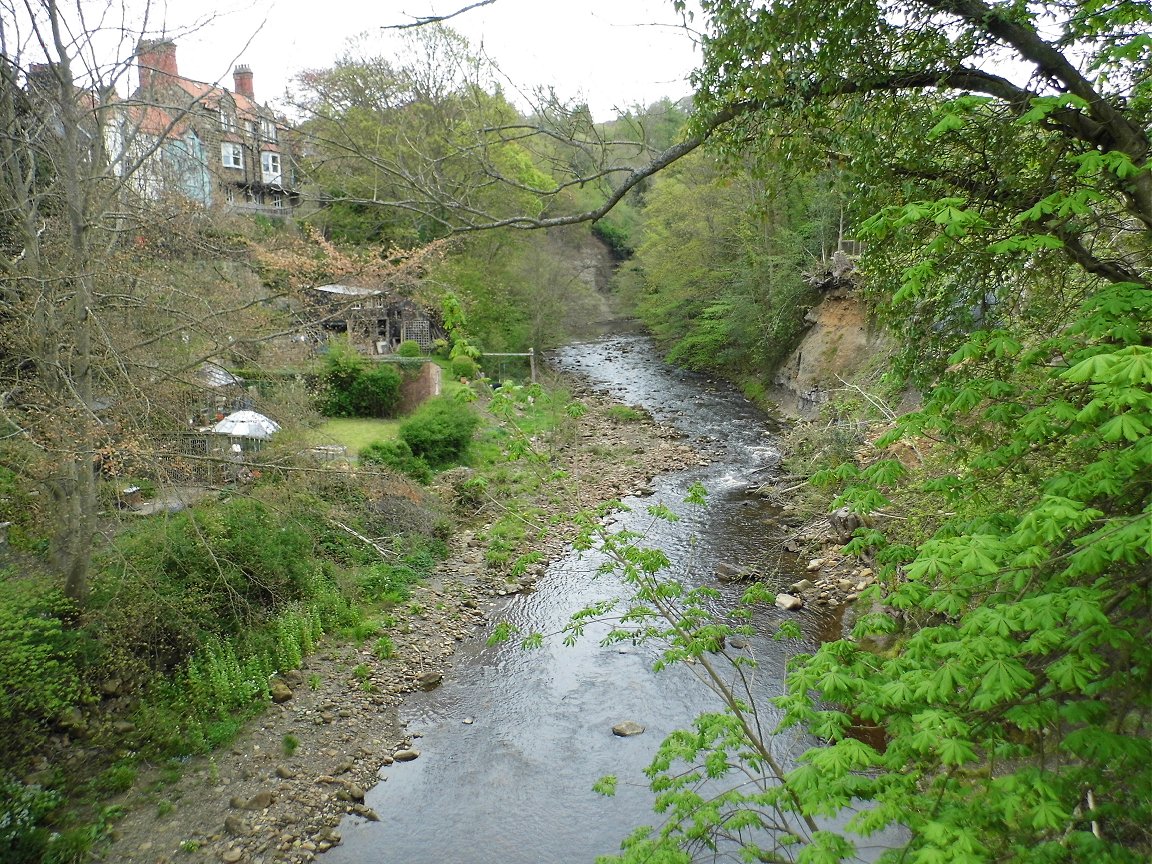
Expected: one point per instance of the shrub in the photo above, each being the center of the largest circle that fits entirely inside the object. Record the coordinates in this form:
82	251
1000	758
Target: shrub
38	669
355	387
464	366
388	583
440	430
409	348
385	648
23	809
376	392
398	456
168	584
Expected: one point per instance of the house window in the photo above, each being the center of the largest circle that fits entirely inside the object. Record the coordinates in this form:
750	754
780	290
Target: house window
268	130
270	163
253	127
278	202
231	155
230	195
227	121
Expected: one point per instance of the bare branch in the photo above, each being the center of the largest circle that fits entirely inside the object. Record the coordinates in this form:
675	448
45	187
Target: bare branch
425	20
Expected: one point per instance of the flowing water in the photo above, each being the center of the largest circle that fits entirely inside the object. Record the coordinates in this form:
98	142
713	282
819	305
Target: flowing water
514	784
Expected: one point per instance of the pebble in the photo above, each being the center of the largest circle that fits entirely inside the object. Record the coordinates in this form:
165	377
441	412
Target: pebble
406	755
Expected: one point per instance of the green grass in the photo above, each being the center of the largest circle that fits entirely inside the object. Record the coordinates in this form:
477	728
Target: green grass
355	433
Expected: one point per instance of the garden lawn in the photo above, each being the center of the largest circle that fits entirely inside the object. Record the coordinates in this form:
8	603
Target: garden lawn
355	433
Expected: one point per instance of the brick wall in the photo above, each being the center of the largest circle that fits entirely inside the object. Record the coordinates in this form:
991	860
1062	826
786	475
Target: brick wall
424	385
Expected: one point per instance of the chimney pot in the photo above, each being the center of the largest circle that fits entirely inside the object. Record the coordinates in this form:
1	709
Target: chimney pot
242	78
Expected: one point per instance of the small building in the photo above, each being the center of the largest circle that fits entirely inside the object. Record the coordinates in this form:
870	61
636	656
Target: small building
376	321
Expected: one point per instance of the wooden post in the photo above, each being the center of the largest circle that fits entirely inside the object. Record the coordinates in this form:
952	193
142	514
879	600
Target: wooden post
532	363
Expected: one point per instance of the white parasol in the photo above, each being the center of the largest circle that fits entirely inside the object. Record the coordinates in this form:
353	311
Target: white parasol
246	424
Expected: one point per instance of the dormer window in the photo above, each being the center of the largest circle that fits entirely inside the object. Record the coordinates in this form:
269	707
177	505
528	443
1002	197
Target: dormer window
231	155
268	130
227	121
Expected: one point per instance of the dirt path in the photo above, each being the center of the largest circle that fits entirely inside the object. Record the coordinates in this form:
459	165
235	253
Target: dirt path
280	791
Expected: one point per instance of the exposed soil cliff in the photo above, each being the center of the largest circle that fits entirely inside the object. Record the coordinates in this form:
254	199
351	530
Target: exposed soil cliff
840	344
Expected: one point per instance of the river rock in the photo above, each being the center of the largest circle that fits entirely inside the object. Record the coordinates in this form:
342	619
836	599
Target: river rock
727	572
788	602
236	826
738	642
801	586
843	523
262	800
814	565
406	755
429	680
280	692
365	812
627	728
232	855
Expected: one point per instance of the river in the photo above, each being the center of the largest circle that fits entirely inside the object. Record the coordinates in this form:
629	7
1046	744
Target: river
513	740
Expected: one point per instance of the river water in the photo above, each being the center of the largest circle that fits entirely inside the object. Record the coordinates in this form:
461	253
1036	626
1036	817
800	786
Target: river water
514	785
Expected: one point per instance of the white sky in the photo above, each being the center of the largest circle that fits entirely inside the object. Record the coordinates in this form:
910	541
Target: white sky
614	53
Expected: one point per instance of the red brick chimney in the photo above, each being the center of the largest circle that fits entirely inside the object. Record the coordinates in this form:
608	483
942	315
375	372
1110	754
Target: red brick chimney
242	78
156	56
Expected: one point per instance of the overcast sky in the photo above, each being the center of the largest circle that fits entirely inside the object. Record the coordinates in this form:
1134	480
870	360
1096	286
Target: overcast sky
616	53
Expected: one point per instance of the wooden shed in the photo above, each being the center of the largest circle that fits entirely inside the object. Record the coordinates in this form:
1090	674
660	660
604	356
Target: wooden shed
376	321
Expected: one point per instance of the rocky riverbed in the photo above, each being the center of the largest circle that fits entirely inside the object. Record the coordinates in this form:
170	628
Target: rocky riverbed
281	790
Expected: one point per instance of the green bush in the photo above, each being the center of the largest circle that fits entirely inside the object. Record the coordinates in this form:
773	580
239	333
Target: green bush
388	583
464	367
352	386
168	584
38	668
398	456
23	809
440	430
376	392
409	348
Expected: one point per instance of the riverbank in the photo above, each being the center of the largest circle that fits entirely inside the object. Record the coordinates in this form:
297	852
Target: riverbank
279	792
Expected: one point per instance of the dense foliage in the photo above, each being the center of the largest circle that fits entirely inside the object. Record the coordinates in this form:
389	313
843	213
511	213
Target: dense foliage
723	260
353	386
1009	222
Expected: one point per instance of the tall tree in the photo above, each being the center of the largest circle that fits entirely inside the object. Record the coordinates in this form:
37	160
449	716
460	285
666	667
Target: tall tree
1000	152
402	145
107	310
